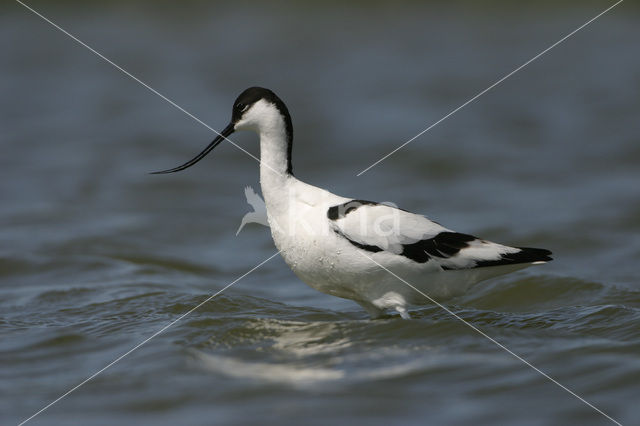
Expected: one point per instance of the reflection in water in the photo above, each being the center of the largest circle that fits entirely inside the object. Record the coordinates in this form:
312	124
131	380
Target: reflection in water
282	373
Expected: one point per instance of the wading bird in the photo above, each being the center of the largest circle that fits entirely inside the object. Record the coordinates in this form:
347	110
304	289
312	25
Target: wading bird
380	256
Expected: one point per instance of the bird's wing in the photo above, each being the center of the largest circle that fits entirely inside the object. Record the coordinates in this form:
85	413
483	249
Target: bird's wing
378	227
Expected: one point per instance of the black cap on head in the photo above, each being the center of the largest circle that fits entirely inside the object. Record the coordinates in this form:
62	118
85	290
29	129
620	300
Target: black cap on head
252	95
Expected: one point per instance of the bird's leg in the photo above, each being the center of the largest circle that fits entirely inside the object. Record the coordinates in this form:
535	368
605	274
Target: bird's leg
403	312
371	309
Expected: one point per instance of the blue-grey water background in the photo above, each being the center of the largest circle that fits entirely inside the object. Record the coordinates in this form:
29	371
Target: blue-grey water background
96	255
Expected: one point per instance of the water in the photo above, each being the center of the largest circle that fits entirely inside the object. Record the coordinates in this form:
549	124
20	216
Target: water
96	255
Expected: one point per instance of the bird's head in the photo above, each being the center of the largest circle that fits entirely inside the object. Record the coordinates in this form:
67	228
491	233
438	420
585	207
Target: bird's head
256	109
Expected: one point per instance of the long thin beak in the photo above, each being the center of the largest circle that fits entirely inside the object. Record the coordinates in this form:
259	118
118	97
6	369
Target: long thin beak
222	136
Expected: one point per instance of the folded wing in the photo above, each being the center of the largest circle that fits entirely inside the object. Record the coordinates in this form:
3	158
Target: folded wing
377	227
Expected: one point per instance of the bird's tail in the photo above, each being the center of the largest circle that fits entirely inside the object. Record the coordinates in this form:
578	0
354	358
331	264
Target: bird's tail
523	255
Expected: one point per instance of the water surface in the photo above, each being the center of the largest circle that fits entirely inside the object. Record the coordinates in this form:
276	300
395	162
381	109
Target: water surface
96	255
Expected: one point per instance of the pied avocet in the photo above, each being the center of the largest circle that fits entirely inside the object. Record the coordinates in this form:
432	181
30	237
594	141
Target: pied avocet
357	249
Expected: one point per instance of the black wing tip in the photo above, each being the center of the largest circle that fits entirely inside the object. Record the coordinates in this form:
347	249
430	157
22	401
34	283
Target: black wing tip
535	254
525	255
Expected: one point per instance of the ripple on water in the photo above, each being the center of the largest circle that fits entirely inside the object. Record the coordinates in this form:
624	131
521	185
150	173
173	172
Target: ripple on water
259	340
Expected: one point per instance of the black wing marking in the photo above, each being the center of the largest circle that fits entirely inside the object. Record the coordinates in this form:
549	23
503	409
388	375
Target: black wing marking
443	245
341	210
525	255
367	247
452	250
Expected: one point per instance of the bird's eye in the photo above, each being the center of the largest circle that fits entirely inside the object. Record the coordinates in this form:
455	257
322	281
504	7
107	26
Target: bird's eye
243	108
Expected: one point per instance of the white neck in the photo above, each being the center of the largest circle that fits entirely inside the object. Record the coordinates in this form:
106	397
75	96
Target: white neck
266	119
273	166
274	158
